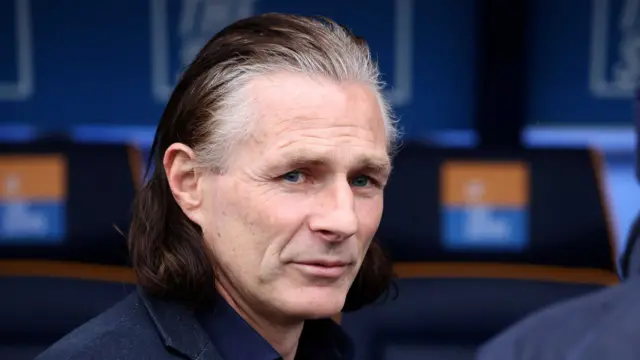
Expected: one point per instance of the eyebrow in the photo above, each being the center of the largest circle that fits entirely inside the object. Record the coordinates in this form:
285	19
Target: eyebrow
302	158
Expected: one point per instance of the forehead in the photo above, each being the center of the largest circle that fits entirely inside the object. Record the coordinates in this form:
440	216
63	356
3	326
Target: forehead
295	112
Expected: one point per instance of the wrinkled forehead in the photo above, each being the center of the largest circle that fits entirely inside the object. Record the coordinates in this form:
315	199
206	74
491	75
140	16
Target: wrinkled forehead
286	105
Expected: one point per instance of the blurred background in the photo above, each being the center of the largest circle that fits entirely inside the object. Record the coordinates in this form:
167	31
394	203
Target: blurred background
529	105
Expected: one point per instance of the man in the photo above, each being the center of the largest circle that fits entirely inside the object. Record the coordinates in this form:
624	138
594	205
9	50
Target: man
256	224
602	325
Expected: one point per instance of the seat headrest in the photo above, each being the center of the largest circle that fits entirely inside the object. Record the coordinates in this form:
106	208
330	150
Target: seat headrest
526	206
637	131
63	201
630	258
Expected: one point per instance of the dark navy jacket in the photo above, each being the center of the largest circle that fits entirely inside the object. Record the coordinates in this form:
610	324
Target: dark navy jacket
144	327
600	326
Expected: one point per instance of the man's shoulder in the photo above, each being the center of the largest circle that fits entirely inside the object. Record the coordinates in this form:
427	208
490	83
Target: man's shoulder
553	332
124	332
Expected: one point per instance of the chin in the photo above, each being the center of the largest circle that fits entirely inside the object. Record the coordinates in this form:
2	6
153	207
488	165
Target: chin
316	302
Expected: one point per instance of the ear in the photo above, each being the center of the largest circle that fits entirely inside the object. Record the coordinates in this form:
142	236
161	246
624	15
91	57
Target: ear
184	179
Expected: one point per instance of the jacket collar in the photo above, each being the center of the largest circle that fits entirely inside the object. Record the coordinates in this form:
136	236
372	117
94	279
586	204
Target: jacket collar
179	328
182	332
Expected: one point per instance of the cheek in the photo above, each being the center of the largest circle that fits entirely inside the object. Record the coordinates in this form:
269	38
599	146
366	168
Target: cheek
232	232
285	217
369	213
250	231
287	213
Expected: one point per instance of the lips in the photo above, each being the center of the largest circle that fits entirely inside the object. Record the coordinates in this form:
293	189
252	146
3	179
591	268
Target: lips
324	263
323	268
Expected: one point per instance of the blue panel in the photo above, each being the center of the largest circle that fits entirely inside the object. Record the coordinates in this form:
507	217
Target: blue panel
484	228
8	53
115	62
18	133
584	61
32	222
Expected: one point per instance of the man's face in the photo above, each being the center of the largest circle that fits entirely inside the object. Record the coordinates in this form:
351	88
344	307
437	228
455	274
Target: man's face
290	222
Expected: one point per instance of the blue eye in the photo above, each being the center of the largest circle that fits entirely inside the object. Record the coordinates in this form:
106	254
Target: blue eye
293	176
361	181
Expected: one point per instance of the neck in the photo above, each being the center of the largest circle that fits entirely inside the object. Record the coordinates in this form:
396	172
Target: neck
281	334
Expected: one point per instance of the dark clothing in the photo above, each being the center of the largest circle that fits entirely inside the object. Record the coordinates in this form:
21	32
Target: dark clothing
145	327
600	326
236	339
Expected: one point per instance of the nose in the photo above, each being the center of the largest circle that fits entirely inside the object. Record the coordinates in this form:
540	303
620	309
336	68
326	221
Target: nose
335	218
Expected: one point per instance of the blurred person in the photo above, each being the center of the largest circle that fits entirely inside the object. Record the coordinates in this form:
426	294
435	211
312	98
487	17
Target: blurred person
256	224
599	326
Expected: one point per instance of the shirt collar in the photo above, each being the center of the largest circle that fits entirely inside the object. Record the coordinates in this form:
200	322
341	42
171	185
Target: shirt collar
235	339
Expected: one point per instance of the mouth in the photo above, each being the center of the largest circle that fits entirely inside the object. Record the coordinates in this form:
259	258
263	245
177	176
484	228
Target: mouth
324	269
